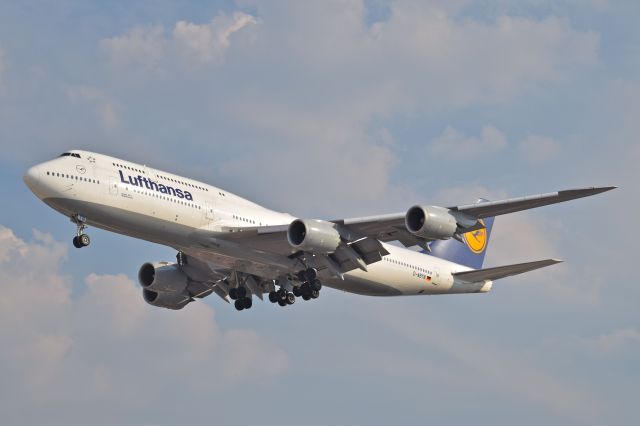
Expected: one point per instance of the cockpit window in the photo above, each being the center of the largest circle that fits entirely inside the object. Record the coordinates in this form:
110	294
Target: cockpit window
69	154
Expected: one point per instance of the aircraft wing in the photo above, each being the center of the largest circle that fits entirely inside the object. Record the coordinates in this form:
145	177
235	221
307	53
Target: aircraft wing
496	208
361	237
391	227
479	275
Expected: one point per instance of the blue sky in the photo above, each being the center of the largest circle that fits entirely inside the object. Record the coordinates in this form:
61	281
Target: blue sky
327	109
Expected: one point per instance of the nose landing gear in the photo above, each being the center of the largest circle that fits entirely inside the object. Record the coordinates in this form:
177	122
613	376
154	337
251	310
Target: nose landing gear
81	239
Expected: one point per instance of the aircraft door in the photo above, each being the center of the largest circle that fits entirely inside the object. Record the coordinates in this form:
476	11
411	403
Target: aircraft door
208	212
113	185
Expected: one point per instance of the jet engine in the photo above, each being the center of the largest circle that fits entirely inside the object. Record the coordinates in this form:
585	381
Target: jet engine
164	285
173	301
430	222
315	236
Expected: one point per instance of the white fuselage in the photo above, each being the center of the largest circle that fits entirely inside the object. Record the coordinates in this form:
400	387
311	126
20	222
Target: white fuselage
164	208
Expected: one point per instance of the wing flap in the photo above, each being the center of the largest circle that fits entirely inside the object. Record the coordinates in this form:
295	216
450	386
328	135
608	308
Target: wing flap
499	272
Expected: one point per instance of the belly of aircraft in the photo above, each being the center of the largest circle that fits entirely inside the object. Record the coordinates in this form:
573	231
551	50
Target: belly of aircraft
365	287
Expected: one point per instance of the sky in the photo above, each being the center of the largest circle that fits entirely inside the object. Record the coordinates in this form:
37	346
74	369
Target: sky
327	110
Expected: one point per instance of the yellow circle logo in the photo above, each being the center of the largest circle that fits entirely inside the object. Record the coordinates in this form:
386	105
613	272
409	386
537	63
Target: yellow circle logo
476	240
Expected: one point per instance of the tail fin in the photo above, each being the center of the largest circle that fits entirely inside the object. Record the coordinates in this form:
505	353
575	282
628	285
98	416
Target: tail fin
470	252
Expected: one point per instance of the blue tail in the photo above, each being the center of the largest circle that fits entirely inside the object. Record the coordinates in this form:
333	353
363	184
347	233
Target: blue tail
470	252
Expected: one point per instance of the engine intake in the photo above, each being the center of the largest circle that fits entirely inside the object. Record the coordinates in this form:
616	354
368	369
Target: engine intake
173	301
315	236
431	222
162	277
164	285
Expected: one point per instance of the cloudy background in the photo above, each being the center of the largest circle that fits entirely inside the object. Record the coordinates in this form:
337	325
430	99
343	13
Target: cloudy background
327	109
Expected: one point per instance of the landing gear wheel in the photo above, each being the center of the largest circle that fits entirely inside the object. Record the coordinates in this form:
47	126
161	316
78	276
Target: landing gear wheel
316	285
247	302
239	305
291	299
241	292
81	239
311	274
305	290
282	302
233	293
306	296
84	240
315	294
273	297
282	295
296	292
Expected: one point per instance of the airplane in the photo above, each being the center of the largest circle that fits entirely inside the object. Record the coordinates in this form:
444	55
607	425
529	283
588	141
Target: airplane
237	249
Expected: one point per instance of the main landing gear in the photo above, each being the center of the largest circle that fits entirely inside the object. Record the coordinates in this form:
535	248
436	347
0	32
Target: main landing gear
81	239
242	298
309	289
282	297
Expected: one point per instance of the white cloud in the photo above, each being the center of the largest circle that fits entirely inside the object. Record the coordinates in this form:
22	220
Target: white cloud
197	44
453	145
316	102
314	115
538	149
61	349
207	43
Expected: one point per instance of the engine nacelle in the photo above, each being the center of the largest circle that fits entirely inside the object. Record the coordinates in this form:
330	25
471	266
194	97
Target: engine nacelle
173	301
315	236
163	277
430	222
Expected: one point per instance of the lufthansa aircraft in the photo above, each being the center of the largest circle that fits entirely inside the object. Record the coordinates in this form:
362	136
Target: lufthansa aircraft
237	249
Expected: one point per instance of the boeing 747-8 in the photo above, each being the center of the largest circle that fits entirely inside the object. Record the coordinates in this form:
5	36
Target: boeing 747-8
237	249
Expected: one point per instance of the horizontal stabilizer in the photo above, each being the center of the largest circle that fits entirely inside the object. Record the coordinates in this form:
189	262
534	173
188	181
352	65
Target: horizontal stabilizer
492	274
496	208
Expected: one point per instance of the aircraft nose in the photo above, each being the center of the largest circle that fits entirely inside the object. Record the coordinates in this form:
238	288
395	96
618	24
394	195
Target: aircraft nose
32	177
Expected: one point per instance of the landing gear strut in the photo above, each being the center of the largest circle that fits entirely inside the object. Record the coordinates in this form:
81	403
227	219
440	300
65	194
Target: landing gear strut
181	258
81	239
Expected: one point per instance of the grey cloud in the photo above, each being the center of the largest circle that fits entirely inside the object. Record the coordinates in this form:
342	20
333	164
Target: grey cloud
538	149
621	339
453	145
106	109
494	369
3	67
62	348
145	46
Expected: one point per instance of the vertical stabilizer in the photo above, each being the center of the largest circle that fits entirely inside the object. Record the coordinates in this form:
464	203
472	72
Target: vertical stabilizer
470	252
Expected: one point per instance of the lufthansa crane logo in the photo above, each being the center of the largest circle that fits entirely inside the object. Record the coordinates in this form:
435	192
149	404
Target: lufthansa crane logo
476	240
